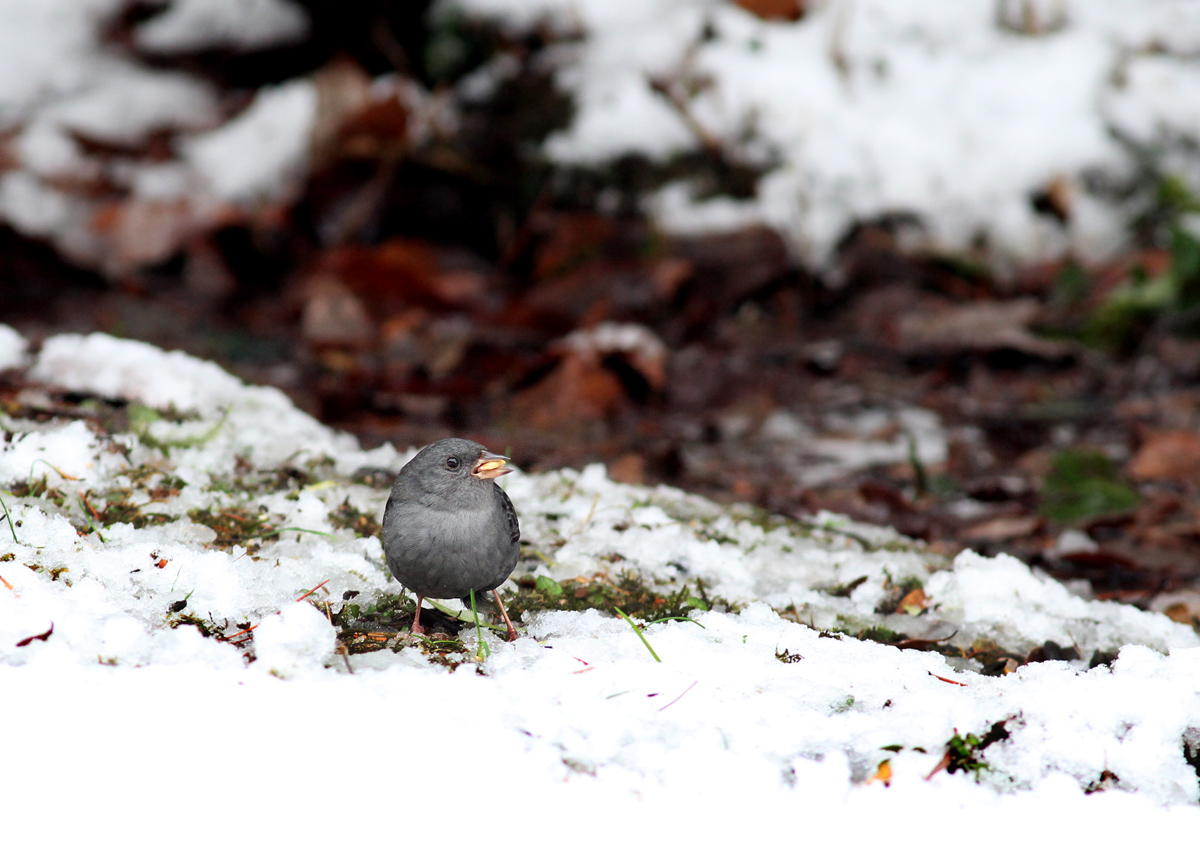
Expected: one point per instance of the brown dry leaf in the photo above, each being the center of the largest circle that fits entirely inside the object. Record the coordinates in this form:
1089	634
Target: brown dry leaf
1179	612
1182	606
1003	528
914	602
775	10
572	239
636	345
9	159
334	316
983	325
578	392
603	288
205	271
37	637
377	132
629	468
1055	200
729	268
1173	455
418	338
343	95
401	273
669	275
141	232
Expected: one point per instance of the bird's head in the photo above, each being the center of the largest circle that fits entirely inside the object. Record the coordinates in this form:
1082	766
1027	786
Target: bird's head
453	466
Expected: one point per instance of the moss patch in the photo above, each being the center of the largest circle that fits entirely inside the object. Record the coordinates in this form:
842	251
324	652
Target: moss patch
346	516
237	526
629	592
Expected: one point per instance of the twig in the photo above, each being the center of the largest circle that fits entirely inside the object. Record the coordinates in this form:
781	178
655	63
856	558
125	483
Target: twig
663	86
310	591
947	680
249	629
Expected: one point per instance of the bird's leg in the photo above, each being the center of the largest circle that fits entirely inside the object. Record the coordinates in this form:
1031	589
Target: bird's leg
512	631
416	627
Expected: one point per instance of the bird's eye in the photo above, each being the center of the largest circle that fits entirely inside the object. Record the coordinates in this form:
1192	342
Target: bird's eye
452	462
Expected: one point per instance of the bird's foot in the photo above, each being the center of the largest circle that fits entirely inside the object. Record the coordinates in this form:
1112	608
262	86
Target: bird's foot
512	631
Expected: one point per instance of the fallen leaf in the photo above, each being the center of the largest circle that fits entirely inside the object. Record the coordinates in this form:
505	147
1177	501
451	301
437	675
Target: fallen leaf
404	272
883	773
1003	529
636	345
40	637
983	325
629	468
1173	455
1055	200
334	316
577	392
914	602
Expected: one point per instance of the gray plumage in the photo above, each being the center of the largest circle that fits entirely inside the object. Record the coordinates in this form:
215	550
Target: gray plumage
448	528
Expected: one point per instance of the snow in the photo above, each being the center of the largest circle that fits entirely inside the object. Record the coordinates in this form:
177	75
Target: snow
128	104
47	49
60	82
122	368
119	709
951	112
294	640
196	25
12	348
262	151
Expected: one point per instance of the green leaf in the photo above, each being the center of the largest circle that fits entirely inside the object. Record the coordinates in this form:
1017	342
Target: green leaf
548	585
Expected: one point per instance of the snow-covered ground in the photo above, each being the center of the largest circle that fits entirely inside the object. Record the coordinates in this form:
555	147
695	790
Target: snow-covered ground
956	112
62	86
960	113
120	720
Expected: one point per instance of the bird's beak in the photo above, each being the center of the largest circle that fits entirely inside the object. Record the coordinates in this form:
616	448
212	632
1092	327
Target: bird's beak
490	466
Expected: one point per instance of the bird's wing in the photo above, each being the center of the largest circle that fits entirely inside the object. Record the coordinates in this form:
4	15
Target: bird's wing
510	513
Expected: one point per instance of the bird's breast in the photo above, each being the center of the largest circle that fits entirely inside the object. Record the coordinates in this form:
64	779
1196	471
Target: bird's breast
440	553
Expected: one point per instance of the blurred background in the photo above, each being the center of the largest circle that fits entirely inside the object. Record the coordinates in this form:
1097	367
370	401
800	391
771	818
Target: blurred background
935	266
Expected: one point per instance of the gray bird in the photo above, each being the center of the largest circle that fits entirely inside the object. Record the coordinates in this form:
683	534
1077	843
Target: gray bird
448	529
